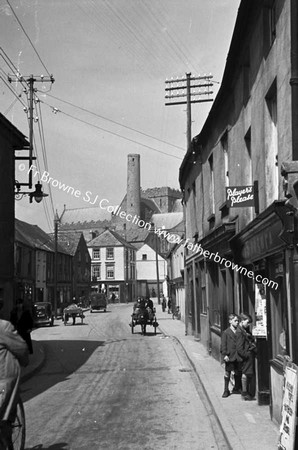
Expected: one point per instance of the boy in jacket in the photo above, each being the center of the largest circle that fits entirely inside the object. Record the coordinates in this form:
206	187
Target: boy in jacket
231	357
247	350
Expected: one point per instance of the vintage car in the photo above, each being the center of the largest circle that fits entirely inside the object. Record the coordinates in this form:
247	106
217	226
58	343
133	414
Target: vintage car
43	314
98	301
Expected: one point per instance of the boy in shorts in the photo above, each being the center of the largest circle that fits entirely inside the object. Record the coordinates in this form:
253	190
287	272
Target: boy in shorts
229	344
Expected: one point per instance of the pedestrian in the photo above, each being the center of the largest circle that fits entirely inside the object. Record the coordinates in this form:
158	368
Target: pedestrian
163	304
21	319
247	350
229	344
169	306
13	352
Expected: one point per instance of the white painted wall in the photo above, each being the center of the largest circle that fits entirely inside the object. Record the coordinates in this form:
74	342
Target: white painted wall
146	270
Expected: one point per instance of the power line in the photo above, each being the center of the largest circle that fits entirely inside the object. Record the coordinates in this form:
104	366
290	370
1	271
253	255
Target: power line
115	122
19	22
55	110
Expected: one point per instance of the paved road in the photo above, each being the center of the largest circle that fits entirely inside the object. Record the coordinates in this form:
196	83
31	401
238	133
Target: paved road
103	387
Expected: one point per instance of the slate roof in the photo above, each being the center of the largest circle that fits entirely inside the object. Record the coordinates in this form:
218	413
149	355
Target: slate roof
35	237
167	220
84	215
109	238
69	240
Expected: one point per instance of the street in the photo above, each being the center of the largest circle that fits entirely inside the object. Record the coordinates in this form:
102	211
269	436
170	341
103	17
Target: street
102	387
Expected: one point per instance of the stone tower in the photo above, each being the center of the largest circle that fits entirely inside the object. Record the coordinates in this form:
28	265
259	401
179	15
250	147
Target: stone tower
133	187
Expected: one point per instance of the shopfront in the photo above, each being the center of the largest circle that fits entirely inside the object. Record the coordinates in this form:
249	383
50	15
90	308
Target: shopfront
264	248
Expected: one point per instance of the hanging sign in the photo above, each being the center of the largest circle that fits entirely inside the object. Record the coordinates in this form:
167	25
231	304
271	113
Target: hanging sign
240	196
289	406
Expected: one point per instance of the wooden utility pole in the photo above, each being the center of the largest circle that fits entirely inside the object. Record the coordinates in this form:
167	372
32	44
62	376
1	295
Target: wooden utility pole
56	220
30	80
184	87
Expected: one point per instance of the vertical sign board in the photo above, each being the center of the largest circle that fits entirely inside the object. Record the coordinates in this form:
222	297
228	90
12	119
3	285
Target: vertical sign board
260	328
289	407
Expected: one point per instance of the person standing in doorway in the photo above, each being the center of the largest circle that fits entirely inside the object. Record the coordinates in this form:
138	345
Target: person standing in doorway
229	344
247	350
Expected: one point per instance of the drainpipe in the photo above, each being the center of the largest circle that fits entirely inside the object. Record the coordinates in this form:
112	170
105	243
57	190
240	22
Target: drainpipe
294	77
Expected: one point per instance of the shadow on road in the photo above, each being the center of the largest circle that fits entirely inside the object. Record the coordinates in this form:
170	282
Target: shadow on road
63	357
60	446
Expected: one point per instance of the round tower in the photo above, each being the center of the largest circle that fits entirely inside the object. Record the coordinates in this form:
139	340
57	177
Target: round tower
133	187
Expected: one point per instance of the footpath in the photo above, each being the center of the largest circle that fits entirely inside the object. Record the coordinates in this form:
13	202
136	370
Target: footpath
246	424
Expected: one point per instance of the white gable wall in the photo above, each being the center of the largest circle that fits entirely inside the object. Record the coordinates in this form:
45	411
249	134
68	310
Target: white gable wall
146	269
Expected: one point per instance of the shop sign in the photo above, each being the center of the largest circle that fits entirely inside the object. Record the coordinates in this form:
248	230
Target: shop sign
289	406
260	328
262	242
240	196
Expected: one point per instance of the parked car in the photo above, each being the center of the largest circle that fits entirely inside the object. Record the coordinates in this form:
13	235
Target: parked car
43	314
98	302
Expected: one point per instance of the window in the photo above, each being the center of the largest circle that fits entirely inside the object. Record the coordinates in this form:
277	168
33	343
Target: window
110	253
96	253
269	25
144	257
271	145
210	160
96	271
248	167
224	145
110	271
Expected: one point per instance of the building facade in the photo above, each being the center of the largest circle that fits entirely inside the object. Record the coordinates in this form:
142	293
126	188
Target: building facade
113	266
243	256
11	139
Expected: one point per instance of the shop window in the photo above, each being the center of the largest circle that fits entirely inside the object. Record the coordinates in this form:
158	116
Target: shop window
279	322
214	295
203	289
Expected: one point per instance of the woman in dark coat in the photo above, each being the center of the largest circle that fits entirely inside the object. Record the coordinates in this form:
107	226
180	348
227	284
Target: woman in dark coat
22	320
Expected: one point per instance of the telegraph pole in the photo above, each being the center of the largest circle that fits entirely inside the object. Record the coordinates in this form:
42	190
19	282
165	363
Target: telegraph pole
56	221
30	80
184	87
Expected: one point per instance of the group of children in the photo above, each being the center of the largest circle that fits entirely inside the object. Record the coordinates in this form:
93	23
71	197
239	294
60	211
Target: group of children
239	350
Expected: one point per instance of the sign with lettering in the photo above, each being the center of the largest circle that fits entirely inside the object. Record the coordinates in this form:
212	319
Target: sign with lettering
289	405
260	328
240	196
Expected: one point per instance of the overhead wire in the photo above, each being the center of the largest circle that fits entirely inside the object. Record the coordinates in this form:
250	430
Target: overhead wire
26	34
13	91
43	149
114	122
56	110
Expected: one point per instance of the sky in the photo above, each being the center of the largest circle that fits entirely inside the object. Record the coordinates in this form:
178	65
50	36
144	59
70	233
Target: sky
110	60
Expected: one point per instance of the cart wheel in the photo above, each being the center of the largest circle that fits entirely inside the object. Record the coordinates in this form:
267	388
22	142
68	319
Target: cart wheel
132	327
155	324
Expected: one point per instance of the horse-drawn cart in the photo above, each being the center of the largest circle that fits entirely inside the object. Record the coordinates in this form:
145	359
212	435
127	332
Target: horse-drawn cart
143	317
72	311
